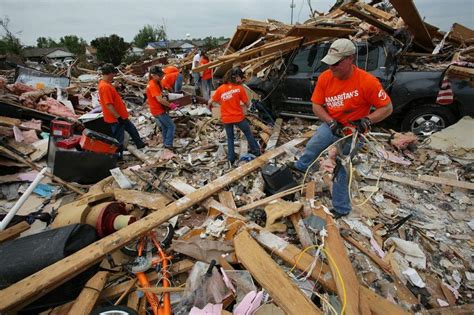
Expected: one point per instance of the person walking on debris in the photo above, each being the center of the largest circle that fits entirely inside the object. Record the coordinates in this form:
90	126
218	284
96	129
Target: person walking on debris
196	75
114	110
343	97
206	77
172	79
159	105
230	95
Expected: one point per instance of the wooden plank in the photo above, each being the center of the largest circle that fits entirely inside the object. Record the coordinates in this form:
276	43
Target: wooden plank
292	255
133	301
13	231
380	14
264	201
153	201
302	260
86	301
461	33
257	123
336	249
32	287
269	275
406	181
354	11
7	121
376	259
312	32
379	305
272	142
410	15
466	309
446	181
301	231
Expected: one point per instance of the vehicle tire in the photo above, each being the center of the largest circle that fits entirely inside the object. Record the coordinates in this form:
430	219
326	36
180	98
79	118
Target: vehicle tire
114	310
427	119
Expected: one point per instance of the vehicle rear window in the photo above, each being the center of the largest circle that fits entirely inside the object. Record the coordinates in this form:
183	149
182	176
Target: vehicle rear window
367	62
304	59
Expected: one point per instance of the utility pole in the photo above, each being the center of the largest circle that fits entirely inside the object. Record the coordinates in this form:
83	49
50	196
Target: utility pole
292	6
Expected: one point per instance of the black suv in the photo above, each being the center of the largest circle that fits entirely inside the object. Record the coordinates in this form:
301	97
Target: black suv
413	93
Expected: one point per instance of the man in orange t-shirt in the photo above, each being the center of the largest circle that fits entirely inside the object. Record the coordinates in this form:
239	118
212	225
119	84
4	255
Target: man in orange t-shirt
232	96
114	110
206	78
172	79
342	99
159	106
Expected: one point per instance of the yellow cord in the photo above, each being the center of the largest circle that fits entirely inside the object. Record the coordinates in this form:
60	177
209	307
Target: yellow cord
331	261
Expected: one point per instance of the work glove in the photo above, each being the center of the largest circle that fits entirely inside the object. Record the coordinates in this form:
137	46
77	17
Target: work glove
173	106
121	121
336	128
362	125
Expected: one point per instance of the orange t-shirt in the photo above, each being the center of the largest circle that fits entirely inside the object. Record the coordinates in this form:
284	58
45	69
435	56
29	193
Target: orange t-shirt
206	74
170	69
109	95
152	91
229	96
168	80
349	99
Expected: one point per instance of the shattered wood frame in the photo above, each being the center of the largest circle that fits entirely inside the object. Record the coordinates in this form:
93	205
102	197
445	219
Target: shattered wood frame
33	287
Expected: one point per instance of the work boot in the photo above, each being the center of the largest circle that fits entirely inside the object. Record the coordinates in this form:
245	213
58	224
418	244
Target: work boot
336	215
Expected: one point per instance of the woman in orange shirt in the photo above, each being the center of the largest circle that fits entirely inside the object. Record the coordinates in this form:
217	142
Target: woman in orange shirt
206	78
230	95
159	106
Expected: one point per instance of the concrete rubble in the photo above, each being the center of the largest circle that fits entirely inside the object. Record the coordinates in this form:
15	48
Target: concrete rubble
406	247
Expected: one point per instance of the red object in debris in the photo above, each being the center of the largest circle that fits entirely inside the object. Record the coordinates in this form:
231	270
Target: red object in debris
61	129
98	142
69	143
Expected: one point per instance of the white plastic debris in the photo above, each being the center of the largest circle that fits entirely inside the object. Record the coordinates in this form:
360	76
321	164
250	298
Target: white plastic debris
414	277
412	251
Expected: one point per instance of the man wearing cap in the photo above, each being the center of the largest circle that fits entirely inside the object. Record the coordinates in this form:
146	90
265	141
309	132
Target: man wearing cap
343	97
114	110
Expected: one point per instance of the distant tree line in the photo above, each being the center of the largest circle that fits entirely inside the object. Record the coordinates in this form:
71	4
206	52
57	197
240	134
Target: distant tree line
111	48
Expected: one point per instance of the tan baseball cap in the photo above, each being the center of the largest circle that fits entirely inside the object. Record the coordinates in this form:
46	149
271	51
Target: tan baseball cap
339	49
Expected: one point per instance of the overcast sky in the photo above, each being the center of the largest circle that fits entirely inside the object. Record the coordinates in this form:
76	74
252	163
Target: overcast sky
30	19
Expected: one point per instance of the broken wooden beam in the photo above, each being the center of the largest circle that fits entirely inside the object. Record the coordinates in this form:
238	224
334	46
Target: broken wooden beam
88	297
272	142
270	276
410	15
13	231
312	32
33	287
376	259
446	181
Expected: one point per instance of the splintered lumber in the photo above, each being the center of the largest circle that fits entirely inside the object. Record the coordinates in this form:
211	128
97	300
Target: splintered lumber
466	309
406	181
376	259
269	275
85	302
341	264
13	231
312	32
209	203
410	15
355	11
447	181
272	142
153	201
461	33
33	287
301	231
302	260
292	255
264	201
257	123
380	14
133	301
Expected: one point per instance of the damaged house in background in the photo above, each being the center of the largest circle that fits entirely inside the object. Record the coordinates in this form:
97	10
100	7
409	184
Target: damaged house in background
181	232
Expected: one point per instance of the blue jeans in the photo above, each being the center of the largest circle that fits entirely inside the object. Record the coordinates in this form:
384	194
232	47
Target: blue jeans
196	79
118	132
167	129
245	127
206	88
178	84
322	138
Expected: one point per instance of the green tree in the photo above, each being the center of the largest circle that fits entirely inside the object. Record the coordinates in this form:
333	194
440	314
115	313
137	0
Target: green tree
74	44
43	42
210	43
110	49
149	34
9	43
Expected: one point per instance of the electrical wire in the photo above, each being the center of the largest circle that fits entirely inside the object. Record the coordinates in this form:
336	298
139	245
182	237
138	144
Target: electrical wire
331	262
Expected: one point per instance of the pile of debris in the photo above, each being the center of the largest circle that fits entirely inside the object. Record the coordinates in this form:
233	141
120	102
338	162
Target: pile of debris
186	232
